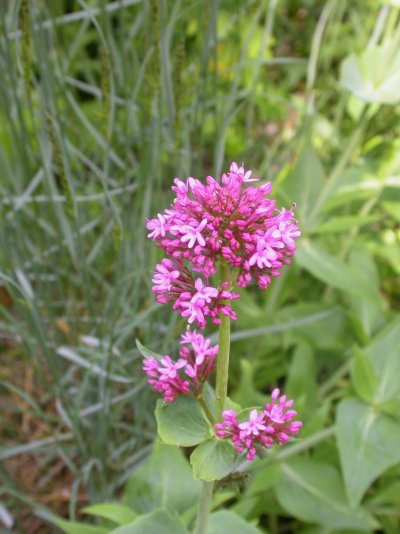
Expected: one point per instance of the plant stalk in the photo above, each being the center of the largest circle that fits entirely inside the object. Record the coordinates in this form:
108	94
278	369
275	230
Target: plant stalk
221	392
224	337
204	506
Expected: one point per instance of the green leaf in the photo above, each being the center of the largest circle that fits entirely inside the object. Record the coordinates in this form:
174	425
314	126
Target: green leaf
165	480
370	314
157	522
344	222
384	355
118	513
147	353
368	443
214	459
301	384
225	521
75	527
182	422
363	376
313	492
374	75
304	183
315	259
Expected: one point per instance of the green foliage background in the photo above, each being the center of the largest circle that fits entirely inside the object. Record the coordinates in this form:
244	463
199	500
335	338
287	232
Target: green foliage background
102	105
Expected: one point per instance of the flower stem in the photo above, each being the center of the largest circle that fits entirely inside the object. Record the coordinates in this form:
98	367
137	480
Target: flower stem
221	387
221	390
204	505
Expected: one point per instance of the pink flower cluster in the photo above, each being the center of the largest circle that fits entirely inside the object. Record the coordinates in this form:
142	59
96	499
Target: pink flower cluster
191	297
228	220
273	425
185	376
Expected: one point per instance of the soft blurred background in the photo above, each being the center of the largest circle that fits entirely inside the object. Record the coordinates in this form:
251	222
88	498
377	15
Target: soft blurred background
102	104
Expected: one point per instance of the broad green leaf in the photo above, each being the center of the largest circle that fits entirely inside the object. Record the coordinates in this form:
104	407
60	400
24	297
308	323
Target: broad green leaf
165	480
75	527
182	422
157	522
374	75
384	355
247	394
344	222
327	332
229	522
315	259
312	491
369	313
301	384
118	513
304	183
145	352
363	376
214	459
368	443
264	475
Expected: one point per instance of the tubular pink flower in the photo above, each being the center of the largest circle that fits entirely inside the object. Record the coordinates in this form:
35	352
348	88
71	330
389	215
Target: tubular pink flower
185	376
191	298
229	220
273	425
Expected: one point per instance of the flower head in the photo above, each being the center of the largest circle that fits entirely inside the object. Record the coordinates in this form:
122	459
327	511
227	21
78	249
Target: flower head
227	220
185	376
272	425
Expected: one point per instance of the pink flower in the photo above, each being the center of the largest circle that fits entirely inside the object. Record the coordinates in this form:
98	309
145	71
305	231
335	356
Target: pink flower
229	220
253	425
273	425
164	276
192	234
185	376
191	298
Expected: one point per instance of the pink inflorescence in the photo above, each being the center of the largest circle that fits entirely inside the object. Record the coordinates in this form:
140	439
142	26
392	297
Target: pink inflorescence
186	375
191	297
229	220
273	425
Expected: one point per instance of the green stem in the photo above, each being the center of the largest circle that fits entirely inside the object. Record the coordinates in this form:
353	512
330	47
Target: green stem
221	387
221	391
204	505
206	410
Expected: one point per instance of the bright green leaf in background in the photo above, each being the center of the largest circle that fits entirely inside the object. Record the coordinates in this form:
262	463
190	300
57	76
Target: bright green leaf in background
304	183
384	355
368	443
214	459
182	422
374	76
165	481
157	522
230	523
313	492
118	513
334	272
363	376
75	527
